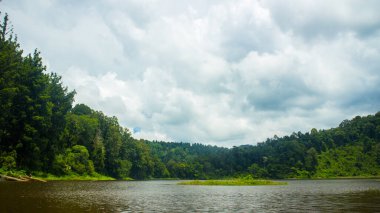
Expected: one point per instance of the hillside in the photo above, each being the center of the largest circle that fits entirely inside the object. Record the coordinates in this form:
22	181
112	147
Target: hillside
352	149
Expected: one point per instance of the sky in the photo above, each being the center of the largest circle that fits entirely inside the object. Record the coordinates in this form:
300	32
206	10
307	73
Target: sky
217	72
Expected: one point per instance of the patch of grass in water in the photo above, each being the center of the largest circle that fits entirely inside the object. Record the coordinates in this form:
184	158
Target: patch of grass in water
246	181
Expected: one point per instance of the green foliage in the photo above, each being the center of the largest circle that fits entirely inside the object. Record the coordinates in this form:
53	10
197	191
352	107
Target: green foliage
78	160
160	169
75	160
98	153
13	173
60	165
82	109
33	105
123	168
257	171
8	160
314	154
348	161
72	176
142	162
243	181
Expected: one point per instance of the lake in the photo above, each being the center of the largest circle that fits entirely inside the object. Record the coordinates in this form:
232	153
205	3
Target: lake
355	195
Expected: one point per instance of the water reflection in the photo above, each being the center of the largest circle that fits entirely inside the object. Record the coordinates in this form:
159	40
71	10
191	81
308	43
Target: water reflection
166	196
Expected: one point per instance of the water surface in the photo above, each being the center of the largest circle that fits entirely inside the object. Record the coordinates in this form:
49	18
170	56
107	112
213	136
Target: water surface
167	196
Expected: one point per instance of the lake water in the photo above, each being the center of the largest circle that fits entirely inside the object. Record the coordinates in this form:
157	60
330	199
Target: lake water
167	196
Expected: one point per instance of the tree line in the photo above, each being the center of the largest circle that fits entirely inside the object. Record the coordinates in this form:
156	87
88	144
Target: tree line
40	130
351	149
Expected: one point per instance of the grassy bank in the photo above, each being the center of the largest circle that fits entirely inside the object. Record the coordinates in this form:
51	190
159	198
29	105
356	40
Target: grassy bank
13	173
163	179
49	177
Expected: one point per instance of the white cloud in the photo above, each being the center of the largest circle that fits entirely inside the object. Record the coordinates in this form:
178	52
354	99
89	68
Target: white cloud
217	72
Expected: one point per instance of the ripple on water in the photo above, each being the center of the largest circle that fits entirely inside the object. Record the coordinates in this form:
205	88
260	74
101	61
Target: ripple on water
167	196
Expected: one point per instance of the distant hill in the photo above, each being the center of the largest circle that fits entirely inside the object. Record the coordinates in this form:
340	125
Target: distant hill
352	149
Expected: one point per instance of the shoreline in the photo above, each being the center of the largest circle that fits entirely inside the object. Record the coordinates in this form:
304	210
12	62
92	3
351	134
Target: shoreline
22	175
99	177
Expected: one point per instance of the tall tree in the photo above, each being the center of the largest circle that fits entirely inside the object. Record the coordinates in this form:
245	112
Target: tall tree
33	105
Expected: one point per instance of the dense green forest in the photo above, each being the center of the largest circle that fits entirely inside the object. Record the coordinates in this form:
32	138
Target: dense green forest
41	131
352	149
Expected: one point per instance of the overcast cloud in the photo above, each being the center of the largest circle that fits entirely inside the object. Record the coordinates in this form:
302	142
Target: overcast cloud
211	71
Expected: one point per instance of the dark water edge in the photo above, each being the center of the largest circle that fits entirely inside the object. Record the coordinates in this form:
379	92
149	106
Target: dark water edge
356	195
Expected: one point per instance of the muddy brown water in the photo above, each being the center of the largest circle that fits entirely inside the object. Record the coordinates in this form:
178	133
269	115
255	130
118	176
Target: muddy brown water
166	196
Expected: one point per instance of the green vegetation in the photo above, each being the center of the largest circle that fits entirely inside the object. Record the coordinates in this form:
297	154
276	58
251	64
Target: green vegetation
41	132
232	182
48	176
350	150
245	181
12	173
75	177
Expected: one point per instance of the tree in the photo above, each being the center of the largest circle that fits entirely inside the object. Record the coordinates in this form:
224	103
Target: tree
257	171
311	159
8	160
33	105
75	160
98	153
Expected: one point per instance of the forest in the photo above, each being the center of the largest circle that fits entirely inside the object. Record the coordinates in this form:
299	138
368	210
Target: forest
41	131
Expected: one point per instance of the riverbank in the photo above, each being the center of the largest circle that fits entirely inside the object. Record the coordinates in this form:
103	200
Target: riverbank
21	174
50	177
223	181
21	178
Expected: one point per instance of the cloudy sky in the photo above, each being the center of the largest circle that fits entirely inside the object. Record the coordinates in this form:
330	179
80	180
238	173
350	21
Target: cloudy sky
218	72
